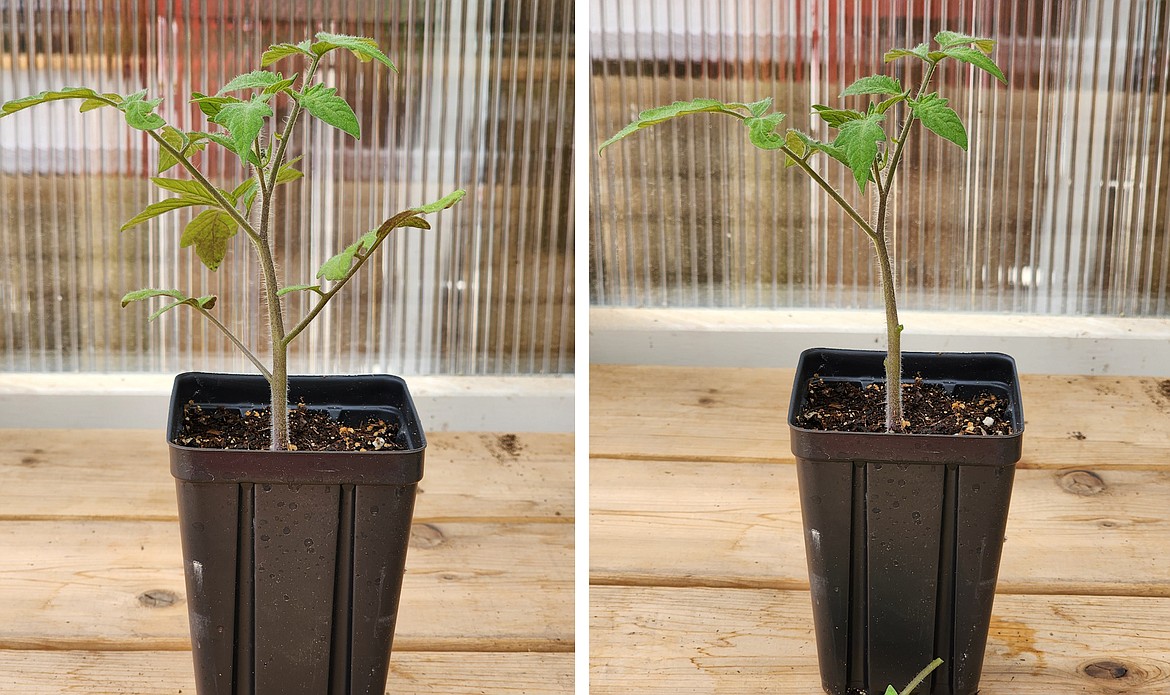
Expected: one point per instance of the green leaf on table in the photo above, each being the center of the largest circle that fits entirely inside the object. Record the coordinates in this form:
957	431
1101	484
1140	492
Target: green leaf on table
209	232
921	51
836	117
244	121
977	58
140	113
661	114
874	84
155	209
858	141
257	79
280	51
205	302
298	288
324	104
939	118
366	49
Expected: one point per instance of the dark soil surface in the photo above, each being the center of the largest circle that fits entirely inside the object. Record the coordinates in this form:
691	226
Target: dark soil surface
927	408
309	430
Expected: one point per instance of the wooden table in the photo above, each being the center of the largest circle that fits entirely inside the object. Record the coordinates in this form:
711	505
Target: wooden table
91	580
698	577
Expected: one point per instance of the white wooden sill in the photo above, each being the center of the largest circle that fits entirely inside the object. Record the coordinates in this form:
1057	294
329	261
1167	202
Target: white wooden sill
446	403
766	338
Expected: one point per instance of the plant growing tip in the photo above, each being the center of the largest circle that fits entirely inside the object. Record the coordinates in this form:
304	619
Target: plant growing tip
868	142
238	114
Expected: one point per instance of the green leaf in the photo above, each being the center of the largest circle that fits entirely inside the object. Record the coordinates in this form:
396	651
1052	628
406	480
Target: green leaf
416	222
287	173
211	106
661	114
140	113
759	108
364	48
836	117
442	203
50	95
244	122
858	141
920	51
939	118
337	267
946	39
977	58
324	104
762	131
298	288
874	84
209	232
885	105
228	144
797	142
205	302
91	104
280	86
175	139
280	51
257	79
890	690
156	209
186	187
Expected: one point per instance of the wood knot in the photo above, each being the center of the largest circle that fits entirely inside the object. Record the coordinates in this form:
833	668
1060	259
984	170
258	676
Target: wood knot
426	536
1083	483
158	598
1106	670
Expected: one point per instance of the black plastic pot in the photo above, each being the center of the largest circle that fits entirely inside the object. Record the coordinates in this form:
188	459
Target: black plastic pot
903	532
294	559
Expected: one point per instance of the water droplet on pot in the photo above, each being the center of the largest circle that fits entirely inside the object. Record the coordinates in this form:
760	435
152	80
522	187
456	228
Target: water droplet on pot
896	504
267	487
877	466
286	530
265	537
292	506
308	542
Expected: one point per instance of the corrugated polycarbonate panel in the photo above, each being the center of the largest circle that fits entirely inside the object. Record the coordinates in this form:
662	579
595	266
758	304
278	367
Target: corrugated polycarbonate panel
1059	207
483	101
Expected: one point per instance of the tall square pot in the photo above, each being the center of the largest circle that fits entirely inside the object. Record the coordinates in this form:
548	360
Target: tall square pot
294	559
903	532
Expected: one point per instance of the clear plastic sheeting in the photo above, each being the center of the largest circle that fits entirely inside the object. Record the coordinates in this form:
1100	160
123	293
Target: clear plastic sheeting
1059	207
483	101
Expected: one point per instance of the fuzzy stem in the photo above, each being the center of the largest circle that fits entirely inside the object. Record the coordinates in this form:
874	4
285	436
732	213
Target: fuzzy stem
921	676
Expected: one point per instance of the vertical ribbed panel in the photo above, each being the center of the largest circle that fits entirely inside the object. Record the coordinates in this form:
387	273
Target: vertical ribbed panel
1059	207
482	102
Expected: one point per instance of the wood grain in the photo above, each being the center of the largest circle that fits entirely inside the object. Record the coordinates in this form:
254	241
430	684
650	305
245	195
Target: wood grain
671	640
726	414
32	672
125	474
118	585
681	523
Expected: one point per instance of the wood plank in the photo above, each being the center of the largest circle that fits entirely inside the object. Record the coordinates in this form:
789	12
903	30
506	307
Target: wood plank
433	673
468	586
678	523
125	474
703	414
662	640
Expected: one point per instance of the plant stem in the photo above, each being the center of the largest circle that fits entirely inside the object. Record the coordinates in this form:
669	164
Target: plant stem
885	189
236	341
921	677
